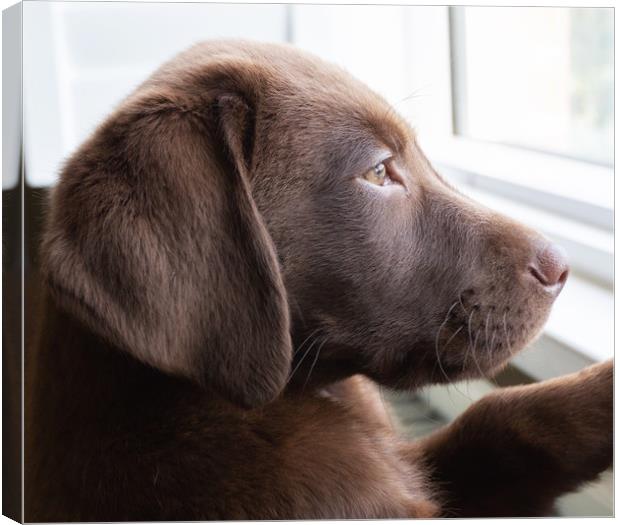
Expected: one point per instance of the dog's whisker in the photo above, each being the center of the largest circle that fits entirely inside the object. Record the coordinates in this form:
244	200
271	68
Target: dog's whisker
316	358
467	388
469	320
488	344
434	368
461	392
473	354
462	305
305	341
486	331
483	375
437	341
447	317
451	338
488	347
466	356
475	345
472	345
418	92
492	379
302	359
295	304
438	353
458	330
507	336
453	385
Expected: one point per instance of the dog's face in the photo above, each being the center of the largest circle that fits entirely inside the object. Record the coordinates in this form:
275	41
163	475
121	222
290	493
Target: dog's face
389	270
360	255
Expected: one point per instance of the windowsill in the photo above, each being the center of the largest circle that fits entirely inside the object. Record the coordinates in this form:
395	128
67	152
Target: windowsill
563	186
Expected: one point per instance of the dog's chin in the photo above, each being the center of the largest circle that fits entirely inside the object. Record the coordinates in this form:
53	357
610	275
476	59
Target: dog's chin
475	337
482	331
462	351
466	365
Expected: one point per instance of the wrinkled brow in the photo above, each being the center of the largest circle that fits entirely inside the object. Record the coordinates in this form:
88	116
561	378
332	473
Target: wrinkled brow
393	130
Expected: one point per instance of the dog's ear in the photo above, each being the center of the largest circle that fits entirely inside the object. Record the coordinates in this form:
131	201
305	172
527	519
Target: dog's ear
154	241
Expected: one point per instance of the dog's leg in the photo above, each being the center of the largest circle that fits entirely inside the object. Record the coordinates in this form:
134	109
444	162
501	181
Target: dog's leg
515	451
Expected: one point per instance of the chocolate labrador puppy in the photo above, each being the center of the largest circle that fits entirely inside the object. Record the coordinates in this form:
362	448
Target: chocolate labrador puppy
235	260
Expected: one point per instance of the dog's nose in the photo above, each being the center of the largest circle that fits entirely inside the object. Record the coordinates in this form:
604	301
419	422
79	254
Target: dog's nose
550	266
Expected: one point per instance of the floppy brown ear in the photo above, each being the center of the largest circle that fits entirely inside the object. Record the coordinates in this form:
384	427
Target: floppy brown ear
155	243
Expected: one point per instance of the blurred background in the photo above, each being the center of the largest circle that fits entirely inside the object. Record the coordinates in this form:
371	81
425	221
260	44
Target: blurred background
513	105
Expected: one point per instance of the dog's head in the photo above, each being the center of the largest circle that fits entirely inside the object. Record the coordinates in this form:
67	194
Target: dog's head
249	200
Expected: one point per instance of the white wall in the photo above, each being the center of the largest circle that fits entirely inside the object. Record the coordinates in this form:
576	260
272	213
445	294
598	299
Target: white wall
11	96
81	59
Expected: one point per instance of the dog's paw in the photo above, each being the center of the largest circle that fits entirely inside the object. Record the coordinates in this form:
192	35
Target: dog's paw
599	377
569	417
591	390
589	401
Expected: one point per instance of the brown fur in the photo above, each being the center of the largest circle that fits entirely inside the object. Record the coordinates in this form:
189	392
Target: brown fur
224	293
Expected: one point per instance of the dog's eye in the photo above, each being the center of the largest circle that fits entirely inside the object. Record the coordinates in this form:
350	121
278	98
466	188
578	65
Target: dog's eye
378	175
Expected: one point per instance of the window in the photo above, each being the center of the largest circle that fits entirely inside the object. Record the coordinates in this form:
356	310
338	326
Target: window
539	78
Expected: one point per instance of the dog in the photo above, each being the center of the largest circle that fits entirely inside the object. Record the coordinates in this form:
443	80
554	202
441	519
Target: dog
233	262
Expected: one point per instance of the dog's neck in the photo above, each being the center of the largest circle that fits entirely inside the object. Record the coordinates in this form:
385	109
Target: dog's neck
73	373
310	375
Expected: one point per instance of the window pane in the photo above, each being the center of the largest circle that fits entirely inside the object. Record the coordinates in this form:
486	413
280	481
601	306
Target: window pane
540	78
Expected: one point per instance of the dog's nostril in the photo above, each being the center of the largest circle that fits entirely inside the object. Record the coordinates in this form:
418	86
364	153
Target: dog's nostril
563	276
550	266
538	275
